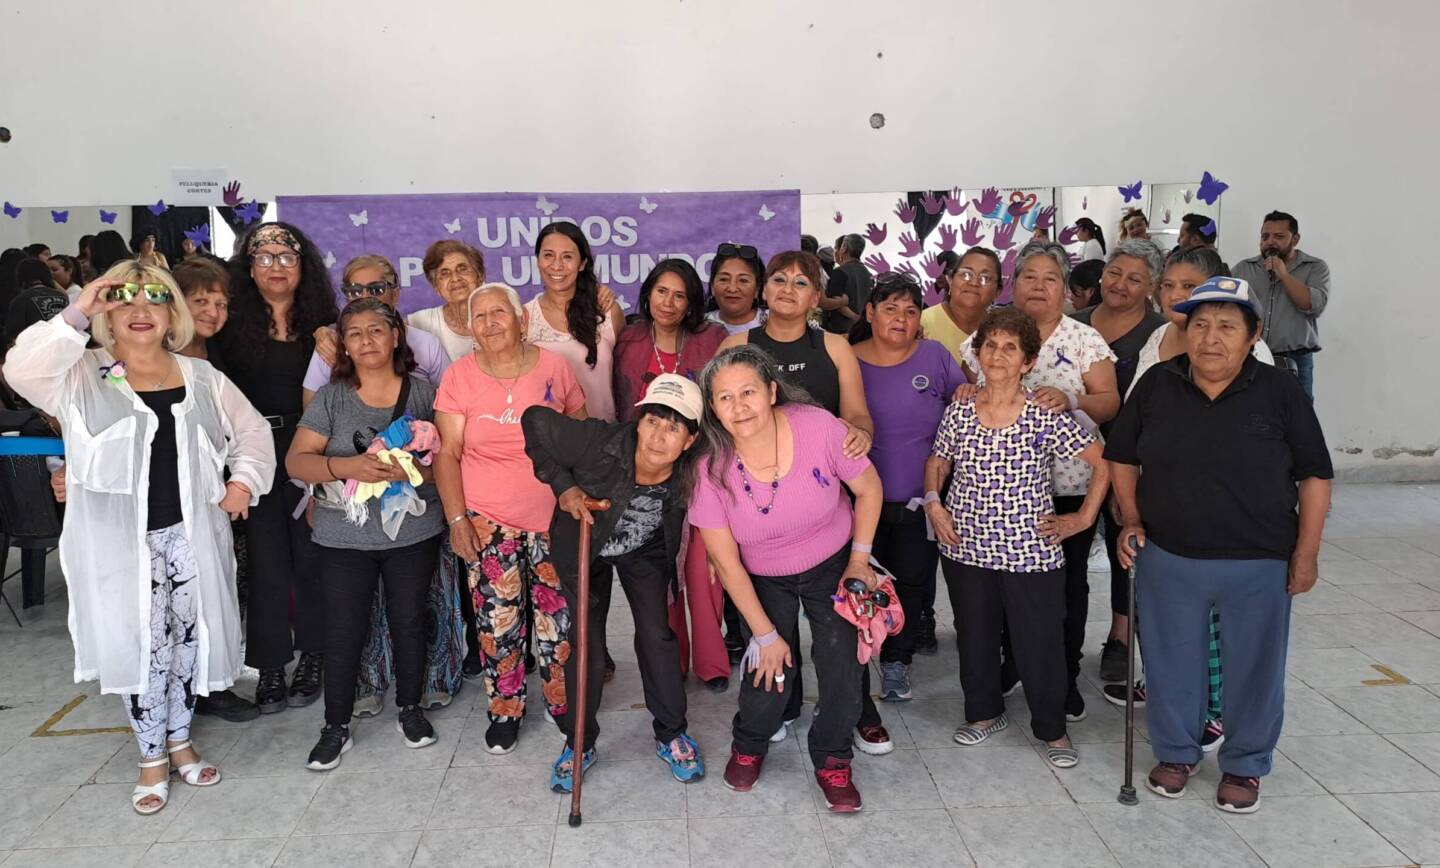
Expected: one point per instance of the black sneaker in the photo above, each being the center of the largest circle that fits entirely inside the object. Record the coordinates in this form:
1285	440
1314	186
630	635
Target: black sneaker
226	705
417	730
308	680
718	685
334	740
502	735
925	642
609	666
734	648
270	691
1115	694
1114	657
1074	705
472	669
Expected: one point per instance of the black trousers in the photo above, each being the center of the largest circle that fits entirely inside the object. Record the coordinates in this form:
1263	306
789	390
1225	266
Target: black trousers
284	564
1119	576
348	577
646	582
1077	587
1033	604
832	650
901	546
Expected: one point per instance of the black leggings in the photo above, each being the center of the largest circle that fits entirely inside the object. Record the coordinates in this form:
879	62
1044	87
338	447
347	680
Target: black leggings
348	577
283	563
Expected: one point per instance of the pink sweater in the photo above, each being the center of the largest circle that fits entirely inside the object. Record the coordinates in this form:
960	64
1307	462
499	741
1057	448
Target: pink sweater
811	518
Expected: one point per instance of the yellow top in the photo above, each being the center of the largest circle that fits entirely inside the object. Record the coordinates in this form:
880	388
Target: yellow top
937	325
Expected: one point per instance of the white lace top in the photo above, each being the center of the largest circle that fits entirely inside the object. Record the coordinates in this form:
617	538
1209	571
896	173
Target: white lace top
596	381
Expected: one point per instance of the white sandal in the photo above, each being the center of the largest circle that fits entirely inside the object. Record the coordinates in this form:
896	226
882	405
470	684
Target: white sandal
161	790
191	773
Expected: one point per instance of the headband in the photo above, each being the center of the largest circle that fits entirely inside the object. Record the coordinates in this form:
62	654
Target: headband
272	233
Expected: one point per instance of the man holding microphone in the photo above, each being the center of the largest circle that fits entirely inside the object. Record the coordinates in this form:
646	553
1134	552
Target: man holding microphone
1294	288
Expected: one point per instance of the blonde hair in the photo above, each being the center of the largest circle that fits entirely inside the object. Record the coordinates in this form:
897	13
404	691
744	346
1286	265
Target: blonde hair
370	260
182	327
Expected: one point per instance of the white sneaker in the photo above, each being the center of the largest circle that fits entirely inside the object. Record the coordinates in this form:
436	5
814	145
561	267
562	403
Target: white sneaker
782	733
369	706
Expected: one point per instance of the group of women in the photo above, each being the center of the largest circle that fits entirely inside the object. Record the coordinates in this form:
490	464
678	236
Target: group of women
415	530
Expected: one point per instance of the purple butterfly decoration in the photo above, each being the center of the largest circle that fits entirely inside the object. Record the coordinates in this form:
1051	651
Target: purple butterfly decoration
820	477
248	212
200	235
158	208
60	216
1211	188
1132	192
108	216
11	211
1208	229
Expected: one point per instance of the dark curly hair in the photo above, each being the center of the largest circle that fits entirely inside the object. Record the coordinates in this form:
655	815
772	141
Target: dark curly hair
583	316
314	306
403	361
1014	321
694	317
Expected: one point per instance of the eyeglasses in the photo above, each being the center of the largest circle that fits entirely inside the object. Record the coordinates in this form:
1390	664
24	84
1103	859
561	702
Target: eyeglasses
352	291
744	251
285	260
967	276
155	293
461	272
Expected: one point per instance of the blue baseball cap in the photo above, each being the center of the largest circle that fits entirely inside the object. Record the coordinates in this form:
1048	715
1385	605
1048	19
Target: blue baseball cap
1234	290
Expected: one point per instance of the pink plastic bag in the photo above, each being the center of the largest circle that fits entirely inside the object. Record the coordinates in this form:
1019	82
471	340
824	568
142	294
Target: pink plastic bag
875	614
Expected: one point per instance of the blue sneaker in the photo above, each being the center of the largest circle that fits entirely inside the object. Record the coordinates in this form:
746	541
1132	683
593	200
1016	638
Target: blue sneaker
561	774
682	754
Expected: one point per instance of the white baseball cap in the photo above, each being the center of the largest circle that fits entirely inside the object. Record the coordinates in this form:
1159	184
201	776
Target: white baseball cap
677	393
1234	290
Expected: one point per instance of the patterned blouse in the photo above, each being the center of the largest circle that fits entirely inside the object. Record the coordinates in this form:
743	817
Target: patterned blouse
1064	359
1002	485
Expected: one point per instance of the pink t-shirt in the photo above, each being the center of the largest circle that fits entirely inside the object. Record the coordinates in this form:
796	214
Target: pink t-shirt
811	518
497	475
596	381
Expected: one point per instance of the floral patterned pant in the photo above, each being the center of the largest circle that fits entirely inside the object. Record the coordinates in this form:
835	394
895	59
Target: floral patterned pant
514	569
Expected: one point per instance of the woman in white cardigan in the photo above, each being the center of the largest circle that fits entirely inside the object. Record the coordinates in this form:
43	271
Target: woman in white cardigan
146	548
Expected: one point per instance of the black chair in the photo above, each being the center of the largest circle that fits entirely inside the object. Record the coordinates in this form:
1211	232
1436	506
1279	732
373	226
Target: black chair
30	519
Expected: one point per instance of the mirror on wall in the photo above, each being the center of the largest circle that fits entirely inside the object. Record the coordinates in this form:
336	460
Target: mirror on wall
907	231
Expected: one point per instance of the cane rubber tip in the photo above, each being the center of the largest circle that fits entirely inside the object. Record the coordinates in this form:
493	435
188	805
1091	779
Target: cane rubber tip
575	819
1126	797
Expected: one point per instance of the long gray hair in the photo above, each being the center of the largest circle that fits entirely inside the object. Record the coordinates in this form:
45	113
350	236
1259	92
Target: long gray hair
716	444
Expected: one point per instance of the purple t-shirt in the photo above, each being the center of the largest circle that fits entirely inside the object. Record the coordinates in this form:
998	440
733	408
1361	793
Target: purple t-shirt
906	402
811	518
1002	485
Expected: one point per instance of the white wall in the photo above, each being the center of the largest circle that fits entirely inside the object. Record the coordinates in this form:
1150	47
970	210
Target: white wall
1314	107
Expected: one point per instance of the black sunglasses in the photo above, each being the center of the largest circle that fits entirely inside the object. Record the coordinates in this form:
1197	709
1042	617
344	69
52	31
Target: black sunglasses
744	251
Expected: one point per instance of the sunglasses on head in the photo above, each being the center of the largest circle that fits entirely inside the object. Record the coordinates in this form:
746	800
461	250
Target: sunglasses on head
353	291
155	293
744	251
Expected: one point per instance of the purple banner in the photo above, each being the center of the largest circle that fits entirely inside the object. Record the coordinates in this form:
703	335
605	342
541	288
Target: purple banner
628	232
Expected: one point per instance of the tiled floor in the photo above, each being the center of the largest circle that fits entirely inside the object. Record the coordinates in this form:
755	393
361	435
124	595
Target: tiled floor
1356	782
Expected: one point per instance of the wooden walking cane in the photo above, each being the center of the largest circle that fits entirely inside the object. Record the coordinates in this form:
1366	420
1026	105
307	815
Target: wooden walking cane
579	711
1127	789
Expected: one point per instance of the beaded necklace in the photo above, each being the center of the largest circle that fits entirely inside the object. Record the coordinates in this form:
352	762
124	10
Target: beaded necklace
774	480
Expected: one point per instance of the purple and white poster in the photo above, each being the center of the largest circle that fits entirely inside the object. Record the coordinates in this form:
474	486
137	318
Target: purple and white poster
628	232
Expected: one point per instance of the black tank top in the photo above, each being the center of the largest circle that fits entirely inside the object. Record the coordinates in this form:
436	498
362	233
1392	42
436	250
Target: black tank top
804	363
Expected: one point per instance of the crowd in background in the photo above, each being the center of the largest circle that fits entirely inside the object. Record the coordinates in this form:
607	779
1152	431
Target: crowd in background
359	498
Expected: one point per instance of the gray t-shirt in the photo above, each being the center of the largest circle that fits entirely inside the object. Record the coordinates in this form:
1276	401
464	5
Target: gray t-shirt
338	413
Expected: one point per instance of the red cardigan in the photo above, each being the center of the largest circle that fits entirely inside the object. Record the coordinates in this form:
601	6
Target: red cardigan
635	350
